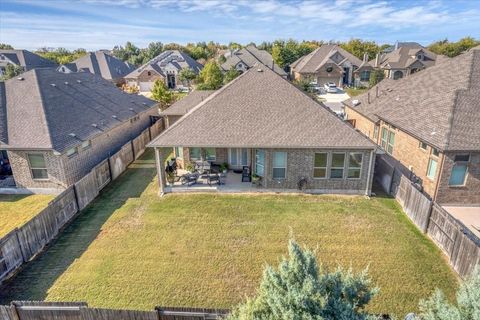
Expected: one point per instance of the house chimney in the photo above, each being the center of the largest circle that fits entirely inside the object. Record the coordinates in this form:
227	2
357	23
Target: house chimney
365	57
396	45
377	60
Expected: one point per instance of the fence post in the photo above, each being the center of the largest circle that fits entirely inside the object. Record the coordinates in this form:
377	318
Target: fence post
15	314
133	149
20	245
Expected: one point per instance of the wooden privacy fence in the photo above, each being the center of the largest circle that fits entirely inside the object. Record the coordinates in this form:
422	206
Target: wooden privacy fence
24	243
461	246
80	311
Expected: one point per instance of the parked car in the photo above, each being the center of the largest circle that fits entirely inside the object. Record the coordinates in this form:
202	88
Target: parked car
330	87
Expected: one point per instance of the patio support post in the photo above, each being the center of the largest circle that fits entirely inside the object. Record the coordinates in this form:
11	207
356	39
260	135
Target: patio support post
160	164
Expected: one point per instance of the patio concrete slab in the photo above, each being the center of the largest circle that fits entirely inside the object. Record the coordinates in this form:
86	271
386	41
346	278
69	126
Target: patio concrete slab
469	216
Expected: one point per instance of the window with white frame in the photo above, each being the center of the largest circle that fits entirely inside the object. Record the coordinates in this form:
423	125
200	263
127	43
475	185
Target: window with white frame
355	160
179	152
320	165
238	157
422	145
260	162
195	154
279	165
86	144
365	76
210	154
388	140
38	166
432	168
337	165
71	152
435	152
459	172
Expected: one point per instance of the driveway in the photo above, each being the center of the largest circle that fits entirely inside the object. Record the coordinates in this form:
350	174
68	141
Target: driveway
334	100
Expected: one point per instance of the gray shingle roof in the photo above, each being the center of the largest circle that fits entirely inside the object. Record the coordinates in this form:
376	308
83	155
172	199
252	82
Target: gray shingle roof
314	61
102	64
440	105
27	59
251	56
185	104
58	104
261	109
401	57
176	57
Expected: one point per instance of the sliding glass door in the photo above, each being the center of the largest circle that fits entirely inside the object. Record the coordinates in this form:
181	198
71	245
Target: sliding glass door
238	157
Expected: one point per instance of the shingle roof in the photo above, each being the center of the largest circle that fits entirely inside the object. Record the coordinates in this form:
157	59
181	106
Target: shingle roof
261	109
158	63
185	104
401	57
251	56
102	64
313	61
27	59
440	105
58	104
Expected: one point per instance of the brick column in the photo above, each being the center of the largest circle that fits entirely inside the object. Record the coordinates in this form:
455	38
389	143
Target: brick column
160	164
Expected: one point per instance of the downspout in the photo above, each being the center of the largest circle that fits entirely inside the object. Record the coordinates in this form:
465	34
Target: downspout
439	178
370	175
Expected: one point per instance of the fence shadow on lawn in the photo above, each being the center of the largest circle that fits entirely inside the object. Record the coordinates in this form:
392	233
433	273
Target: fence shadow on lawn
33	282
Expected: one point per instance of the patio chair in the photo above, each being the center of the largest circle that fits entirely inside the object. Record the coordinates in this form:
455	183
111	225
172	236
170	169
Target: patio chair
246	174
189	178
213	178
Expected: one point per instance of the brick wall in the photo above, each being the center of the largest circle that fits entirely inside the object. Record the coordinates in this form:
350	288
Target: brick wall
362	123
170	120
467	194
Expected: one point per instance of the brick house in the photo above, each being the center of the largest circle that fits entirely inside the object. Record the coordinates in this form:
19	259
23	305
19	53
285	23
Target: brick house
65	125
182	106
23	58
329	63
262	121
428	123
100	63
166	67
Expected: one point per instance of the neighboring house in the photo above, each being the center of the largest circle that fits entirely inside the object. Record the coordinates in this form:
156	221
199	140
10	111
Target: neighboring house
403	59
25	59
262	121
166	67
65	125
249	57
429	123
328	63
181	107
100	63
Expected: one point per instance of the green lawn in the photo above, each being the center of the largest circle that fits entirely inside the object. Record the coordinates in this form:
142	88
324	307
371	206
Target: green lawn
15	210
132	249
352	92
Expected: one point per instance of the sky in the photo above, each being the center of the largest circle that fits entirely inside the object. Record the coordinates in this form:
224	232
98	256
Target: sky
102	24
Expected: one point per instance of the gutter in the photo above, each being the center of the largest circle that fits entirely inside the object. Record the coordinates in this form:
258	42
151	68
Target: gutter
370	175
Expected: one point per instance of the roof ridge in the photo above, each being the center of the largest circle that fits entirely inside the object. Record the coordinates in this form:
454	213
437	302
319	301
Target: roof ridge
42	103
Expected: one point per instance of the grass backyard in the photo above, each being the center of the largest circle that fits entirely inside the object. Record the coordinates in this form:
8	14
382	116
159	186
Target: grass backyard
15	210
352	92
132	249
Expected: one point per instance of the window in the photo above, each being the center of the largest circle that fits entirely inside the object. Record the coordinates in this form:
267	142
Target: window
86	144
375	133
38	166
149	73
260	162
435	152
179	152
210	154
365	76
329	69
422	145
71	152
388	140
195	154
384	138
320	165
459	170
279	165
338	163
355	161
238	157
432	169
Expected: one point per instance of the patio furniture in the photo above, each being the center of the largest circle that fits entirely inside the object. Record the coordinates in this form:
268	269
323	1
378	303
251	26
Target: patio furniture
189	178
213	178
246	174
202	166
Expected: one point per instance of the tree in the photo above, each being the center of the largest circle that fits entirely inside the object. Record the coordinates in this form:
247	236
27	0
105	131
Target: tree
359	47
4	46
211	77
376	76
11	70
285	53
187	75
61	55
452	49
299	289
230	75
468	302
161	94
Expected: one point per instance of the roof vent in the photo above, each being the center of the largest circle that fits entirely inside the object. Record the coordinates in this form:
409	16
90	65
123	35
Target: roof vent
355	102
397	99
131	109
66	83
21	78
53	84
79	81
94	125
114	116
259	70
72	134
144	103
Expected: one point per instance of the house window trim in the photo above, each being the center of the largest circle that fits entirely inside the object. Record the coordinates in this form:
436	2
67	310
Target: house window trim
465	178
87	144
213	159
177	152
199	154
257	164
73	154
273	165
332	167
355	168
326	166
434	155
420	145
429	166
32	168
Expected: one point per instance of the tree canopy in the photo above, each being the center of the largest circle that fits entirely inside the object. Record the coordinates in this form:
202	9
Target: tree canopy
211	77
452	49
61	55
359	47
300	289
5	46
11	70
230	75
161	94
187	75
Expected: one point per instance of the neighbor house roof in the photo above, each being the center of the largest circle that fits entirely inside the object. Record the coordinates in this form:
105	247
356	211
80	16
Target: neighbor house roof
312	62
102	64
185	104
440	105
260	109
177	58
251	56
61	109
26	59
404	55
